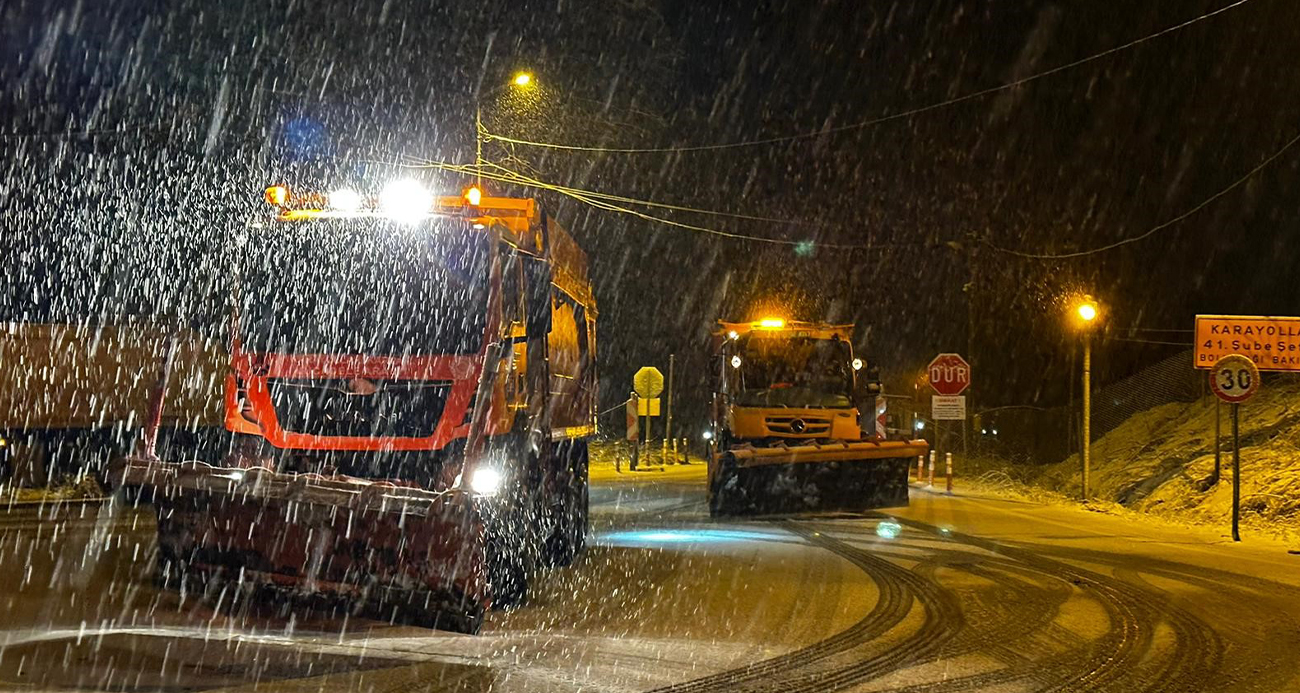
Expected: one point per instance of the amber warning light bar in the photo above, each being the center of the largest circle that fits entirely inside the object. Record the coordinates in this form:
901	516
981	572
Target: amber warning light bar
404	200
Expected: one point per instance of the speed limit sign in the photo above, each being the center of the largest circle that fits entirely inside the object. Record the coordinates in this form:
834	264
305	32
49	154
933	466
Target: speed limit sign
1234	379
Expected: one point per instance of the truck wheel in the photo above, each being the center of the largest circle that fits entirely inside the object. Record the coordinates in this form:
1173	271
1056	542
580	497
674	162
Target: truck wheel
570	534
514	546
508	570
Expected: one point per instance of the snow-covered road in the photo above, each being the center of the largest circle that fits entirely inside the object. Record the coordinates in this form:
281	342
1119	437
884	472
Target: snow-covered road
950	594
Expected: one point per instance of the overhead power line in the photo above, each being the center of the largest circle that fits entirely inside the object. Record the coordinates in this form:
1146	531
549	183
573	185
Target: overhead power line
1158	227
606	202
1157	342
874	121
664	205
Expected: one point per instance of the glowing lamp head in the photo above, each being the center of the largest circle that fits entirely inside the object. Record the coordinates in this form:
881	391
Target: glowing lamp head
277	195
1087	311
857	364
523	79
708	435
345	200
405	201
733	335
473	196
771	323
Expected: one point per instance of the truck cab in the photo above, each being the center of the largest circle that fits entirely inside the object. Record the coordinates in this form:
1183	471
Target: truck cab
791	382
410	388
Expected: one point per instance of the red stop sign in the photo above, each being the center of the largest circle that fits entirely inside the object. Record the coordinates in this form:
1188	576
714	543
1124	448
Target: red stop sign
949	374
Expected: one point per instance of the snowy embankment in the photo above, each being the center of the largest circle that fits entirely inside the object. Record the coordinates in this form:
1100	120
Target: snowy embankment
1161	461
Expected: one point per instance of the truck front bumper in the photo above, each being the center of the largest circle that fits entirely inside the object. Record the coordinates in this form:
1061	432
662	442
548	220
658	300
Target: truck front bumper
836	451
314	533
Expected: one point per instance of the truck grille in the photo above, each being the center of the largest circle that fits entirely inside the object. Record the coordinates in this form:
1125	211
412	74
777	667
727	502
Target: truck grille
359	407
799	425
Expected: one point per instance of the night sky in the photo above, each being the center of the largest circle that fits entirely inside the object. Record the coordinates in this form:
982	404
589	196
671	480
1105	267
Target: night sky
141	123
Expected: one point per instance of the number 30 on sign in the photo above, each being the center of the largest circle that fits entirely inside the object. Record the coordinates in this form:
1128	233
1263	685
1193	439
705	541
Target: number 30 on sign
1234	379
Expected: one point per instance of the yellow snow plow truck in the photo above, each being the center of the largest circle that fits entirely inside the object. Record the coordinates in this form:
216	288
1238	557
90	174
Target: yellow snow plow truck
788	426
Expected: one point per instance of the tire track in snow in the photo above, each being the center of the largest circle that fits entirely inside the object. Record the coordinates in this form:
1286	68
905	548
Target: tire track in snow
1111	661
892	606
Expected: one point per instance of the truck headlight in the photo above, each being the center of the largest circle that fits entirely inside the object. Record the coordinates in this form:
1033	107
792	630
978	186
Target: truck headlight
486	481
405	201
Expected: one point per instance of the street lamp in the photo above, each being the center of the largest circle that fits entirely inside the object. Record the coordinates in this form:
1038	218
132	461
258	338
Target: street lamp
1086	313
521	80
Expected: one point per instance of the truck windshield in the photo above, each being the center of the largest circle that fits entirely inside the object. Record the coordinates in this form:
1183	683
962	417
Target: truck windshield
363	286
800	372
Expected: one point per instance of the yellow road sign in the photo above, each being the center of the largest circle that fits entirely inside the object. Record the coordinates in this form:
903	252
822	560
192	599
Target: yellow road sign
648	382
647	407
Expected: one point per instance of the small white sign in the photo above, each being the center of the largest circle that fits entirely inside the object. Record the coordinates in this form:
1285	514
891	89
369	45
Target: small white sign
948	408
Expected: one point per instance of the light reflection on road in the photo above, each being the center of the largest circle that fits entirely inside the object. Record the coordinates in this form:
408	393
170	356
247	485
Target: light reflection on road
659	537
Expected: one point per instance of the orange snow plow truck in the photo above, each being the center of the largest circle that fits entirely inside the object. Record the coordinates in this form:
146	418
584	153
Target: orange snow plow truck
410	391
794	423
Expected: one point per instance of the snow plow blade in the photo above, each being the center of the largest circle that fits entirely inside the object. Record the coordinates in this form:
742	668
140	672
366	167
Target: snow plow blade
403	552
844	475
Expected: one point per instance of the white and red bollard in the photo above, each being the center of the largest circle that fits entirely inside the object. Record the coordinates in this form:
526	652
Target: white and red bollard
920	468
932	455
948	460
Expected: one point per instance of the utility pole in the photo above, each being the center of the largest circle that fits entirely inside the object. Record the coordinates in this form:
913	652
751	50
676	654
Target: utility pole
1086	313
1236	476
668	422
478	144
649	421
938	447
970	346
1218	447
1087	409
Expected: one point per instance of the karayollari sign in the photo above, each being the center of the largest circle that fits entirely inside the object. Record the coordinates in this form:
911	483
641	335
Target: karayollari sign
1272	343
